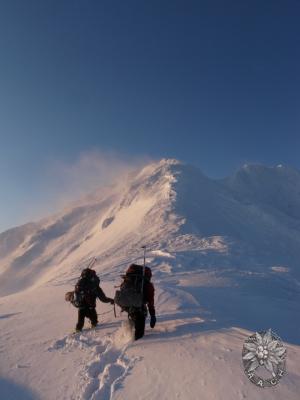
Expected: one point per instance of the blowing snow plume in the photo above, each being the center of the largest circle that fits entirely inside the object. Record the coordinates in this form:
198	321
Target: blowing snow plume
92	170
71	191
62	183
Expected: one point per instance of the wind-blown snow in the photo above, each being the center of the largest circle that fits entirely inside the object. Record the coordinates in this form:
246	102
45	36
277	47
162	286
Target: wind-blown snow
225	259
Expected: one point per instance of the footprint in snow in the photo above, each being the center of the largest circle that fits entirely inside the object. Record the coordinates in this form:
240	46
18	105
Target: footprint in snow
107	370
74	341
112	374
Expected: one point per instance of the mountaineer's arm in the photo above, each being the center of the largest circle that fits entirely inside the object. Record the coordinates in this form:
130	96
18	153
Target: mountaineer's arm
102	297
150	298
150	303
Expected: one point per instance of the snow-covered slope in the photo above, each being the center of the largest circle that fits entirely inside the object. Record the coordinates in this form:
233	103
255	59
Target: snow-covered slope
112	223
251	219
225	259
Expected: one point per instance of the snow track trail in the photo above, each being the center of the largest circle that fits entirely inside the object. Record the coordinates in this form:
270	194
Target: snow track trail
108	367
108	363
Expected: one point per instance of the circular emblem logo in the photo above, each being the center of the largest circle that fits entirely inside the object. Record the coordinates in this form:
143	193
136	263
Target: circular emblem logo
264	358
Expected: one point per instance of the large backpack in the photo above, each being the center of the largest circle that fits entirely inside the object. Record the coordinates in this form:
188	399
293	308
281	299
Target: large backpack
131	293
86	289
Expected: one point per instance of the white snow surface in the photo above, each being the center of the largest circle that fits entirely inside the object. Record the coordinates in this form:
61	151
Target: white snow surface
225	261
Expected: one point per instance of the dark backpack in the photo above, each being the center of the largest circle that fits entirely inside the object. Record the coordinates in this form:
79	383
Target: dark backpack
131	293
86	289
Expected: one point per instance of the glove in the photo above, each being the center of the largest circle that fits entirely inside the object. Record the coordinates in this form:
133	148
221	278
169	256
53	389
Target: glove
111	301
152	321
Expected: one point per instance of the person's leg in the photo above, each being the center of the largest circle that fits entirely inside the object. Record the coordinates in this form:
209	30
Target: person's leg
81	316
131	320
139	325
92	315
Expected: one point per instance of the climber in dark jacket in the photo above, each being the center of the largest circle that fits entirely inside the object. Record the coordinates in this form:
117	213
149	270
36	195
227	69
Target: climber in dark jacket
88	289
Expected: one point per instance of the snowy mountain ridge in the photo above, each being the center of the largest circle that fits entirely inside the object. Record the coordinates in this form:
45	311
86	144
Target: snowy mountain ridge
169	203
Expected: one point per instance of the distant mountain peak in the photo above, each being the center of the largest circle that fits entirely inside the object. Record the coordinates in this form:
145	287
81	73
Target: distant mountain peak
257	168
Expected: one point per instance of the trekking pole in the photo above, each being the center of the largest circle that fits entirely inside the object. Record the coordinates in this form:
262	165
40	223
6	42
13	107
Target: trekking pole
115	311
144	268
144	247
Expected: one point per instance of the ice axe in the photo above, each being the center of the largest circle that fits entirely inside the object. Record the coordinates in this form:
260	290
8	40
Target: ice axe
92	262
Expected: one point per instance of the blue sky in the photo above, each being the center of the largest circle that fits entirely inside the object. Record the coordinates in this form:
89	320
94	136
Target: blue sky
213	83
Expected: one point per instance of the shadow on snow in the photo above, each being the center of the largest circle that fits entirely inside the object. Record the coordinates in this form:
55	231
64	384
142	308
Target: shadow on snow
13	391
